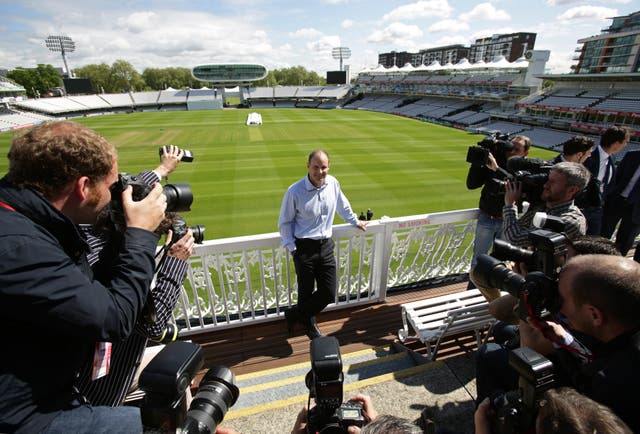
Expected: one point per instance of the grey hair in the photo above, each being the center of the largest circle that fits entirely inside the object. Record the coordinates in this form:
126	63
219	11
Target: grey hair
577	174
388	424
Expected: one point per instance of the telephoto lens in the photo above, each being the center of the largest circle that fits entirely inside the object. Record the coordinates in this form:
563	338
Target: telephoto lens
217	393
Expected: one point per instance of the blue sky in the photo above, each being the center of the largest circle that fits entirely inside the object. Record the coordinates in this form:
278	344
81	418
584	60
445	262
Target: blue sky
283	33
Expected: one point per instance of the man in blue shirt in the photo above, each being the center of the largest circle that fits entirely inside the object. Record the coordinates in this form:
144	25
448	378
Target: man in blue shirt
305	224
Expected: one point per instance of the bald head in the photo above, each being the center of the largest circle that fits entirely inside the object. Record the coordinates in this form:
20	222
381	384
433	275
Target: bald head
610	283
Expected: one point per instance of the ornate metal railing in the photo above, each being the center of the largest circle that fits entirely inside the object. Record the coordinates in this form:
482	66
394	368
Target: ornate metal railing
233	281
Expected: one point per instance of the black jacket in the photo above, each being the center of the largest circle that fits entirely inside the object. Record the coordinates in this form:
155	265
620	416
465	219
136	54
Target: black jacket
492	194
51	311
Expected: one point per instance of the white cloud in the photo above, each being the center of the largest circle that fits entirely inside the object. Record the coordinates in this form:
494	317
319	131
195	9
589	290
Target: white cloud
485	11
347	24
449	26
395	33
568	2
326	43
305	33
138	22
588	12
420	9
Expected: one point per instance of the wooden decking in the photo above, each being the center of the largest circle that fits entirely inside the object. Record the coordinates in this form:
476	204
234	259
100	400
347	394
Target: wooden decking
264	346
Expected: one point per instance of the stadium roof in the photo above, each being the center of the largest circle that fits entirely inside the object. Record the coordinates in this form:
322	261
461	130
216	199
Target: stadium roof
612	76
235	73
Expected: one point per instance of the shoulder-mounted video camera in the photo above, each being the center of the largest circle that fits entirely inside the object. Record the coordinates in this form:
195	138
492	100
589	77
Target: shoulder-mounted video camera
516	410
497	144
324	381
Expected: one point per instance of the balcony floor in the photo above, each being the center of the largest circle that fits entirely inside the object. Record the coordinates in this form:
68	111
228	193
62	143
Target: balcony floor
267	345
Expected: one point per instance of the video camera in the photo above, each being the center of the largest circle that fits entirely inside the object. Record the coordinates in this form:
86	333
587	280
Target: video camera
179	196
516	410
166	379
531	173
324	381
497	144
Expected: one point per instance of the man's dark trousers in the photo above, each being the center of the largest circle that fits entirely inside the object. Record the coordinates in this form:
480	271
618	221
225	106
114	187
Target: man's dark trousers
315	264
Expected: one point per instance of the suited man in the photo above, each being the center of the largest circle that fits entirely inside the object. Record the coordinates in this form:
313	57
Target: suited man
602	168
622	203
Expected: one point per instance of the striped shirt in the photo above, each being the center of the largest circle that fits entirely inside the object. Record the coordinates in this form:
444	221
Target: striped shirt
516	231
126	355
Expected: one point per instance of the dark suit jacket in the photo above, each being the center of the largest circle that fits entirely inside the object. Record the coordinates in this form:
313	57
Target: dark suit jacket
591	195
624	173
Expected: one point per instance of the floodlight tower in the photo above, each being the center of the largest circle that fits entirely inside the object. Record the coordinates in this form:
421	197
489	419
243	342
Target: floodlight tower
341	53
63	45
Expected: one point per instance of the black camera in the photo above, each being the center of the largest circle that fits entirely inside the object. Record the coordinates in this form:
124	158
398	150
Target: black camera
324	381
165	380
217	393
187	155
549	252
532	173
497	144
179	196
516	410
180	228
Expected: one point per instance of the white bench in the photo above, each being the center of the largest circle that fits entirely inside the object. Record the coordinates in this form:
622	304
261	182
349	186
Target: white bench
434	318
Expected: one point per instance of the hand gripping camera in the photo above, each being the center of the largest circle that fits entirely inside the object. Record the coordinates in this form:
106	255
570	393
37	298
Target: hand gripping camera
179	196
324	381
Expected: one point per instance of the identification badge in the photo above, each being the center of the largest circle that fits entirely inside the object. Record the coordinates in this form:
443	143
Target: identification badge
101	360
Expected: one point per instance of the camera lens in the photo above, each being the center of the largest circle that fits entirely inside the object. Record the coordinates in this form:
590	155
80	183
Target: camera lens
491	273
216	394
179	197
198	233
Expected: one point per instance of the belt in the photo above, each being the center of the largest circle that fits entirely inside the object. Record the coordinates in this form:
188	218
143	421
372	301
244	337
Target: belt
312	242
491	216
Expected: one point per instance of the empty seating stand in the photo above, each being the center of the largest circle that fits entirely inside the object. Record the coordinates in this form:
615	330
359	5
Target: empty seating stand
433	319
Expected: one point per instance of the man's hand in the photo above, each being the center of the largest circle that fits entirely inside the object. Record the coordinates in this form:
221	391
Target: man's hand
183	248
513	191
482	417
146	213
368	411
171	156
492	164
362	225
300	425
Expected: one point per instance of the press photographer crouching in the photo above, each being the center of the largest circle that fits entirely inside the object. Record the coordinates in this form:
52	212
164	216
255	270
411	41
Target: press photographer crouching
488	160
599	298
117	376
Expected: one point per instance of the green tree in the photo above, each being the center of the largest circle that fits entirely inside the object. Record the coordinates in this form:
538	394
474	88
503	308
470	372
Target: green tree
36	81
100	76
294	76
125	78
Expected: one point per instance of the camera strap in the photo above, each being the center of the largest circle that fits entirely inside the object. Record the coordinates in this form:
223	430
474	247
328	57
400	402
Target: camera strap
7	206
573	345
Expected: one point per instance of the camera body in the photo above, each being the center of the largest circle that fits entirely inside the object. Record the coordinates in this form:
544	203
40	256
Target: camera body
497	144
324	381
516	410
180	228
179	196
538	291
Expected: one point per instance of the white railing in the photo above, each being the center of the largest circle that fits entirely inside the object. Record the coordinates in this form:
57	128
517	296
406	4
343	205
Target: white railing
240	280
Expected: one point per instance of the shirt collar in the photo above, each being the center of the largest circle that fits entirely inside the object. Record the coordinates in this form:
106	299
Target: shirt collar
309	185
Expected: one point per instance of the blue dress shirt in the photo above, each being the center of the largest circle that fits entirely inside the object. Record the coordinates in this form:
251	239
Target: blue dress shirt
307	211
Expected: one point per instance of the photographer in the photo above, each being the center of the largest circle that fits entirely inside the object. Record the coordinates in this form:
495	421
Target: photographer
489	225
562	411
59	176
564	182
110	388
600	297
